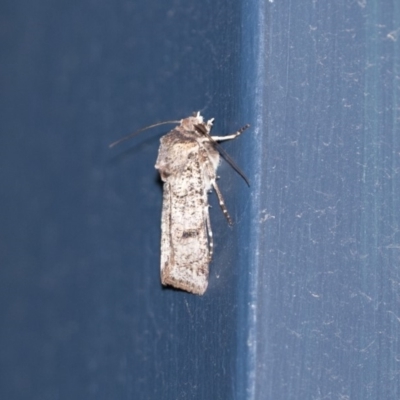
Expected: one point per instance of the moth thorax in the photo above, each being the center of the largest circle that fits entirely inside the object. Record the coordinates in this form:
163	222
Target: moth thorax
188	124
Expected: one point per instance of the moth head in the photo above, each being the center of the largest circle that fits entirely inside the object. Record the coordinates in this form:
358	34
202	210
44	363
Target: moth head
209	123
190	123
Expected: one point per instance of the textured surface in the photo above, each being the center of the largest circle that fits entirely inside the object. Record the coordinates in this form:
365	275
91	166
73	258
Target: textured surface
326	240
83	312
303	300
187	163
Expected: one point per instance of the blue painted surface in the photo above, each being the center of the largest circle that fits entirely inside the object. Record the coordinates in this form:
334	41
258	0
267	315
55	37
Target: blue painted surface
83	313
303	301
326	289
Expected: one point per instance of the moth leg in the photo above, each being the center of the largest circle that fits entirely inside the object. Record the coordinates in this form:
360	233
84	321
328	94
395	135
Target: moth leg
232	136
209	232
167	247
222	203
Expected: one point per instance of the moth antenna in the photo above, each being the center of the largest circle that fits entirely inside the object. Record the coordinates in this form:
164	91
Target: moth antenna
141	130
221	150
230	161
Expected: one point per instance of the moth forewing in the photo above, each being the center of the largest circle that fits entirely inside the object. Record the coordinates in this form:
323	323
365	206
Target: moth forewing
187	162
187	173
188	159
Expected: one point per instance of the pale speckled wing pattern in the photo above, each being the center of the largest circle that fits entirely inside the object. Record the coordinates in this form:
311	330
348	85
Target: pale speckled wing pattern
186	245
187	162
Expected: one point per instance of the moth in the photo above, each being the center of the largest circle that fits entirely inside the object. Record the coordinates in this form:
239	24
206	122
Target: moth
188	159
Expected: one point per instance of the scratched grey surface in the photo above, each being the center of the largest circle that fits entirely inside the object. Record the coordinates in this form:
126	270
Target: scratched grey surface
327	294
303	301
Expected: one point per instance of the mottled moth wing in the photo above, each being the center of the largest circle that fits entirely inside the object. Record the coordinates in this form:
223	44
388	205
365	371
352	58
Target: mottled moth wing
186	247
188	159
